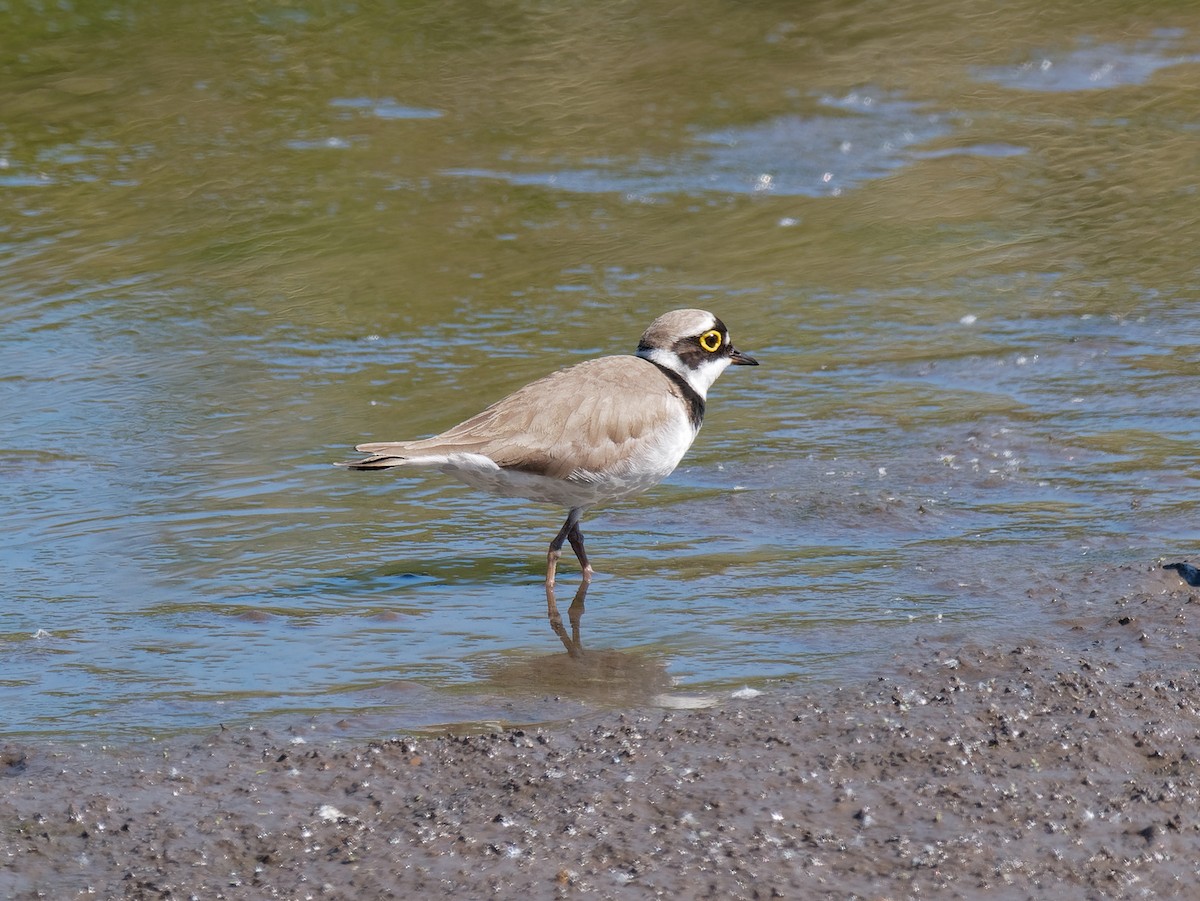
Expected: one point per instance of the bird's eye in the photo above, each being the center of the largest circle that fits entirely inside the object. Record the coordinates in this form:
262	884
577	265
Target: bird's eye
712	340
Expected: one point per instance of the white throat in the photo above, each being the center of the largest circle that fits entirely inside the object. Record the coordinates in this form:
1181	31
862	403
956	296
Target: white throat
700	378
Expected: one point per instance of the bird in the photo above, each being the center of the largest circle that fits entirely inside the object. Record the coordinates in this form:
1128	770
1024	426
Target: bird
1187	572
599	431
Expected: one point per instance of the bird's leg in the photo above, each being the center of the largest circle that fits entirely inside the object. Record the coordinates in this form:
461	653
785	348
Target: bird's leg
557	543
575	536
569	532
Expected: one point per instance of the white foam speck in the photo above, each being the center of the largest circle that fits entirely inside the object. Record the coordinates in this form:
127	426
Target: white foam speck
683	702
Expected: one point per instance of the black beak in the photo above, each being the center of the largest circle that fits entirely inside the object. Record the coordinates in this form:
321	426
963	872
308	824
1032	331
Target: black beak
737	358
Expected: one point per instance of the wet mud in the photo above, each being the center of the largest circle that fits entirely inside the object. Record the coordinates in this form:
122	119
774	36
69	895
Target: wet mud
1060	762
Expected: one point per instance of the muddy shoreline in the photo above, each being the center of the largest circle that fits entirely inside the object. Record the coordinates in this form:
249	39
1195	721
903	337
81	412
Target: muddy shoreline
1059	763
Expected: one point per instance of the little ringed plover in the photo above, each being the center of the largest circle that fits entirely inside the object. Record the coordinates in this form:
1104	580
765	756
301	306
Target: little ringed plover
599	431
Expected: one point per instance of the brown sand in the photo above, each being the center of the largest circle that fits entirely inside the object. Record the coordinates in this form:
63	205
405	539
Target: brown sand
1060	763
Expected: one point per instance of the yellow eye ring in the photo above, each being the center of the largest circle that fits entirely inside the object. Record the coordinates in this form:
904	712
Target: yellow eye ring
712	340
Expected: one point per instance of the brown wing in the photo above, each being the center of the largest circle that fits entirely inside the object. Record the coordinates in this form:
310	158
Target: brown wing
575	420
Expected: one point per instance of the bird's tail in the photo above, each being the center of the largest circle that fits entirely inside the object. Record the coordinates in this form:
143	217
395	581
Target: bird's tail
379	455
375	461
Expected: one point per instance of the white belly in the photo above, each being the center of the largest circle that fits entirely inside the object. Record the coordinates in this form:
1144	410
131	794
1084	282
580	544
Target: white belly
645	466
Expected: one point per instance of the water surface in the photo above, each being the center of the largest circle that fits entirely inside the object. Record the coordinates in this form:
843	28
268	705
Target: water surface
235	243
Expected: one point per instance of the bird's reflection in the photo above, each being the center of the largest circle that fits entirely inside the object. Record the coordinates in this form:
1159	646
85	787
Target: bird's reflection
602	676
574	614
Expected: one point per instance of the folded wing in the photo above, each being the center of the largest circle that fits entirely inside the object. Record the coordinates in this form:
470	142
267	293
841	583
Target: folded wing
579	421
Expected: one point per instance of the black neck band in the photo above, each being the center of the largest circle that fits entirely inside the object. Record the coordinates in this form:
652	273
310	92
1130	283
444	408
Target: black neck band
695	403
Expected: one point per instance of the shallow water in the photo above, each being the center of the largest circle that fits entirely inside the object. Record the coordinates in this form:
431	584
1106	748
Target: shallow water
233	246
